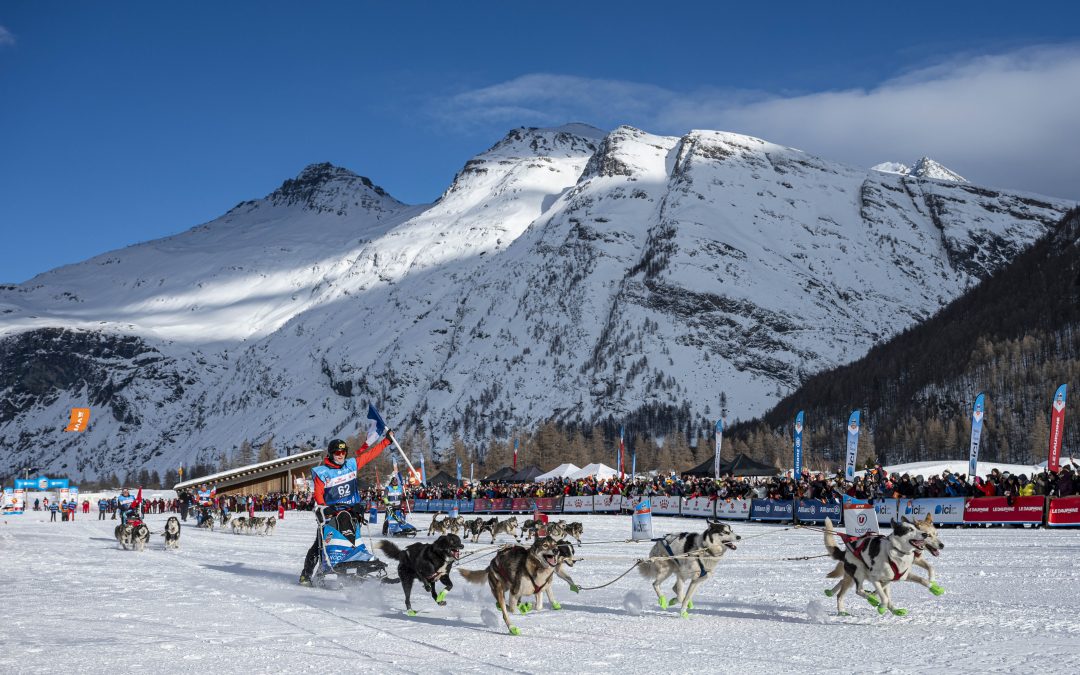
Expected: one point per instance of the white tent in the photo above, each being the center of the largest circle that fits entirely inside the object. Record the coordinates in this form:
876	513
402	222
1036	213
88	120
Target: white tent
600	471
936	468
561	471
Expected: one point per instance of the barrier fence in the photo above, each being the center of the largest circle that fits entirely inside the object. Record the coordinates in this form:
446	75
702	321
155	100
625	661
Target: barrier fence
1052	511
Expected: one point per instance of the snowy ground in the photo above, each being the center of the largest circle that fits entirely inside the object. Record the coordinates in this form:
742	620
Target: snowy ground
73	602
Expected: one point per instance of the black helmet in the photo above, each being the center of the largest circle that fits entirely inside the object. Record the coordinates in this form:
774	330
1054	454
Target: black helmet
335	445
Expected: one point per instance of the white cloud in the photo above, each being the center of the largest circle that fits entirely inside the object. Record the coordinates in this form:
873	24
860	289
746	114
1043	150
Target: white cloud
1006	120
6	38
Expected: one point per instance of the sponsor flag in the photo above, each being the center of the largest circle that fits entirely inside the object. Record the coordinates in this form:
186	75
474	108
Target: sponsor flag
798	444
852	445
641	526
180	472
622	453
515	453
459	471
1057	427
423	471
716	456
80	417
633	463
976	433
471	467
376	425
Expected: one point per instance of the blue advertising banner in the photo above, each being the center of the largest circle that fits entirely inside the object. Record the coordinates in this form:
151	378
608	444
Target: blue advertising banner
41	483
798	445
769	509
852	445
976	433
813	511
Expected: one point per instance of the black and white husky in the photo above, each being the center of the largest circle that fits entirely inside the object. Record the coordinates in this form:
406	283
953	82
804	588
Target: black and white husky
172	533
132	536
932	544
691	557
876	559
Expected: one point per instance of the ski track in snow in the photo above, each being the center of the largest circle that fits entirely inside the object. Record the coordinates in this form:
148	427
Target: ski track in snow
74	601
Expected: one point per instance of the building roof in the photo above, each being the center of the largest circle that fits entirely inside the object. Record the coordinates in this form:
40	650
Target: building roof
246	473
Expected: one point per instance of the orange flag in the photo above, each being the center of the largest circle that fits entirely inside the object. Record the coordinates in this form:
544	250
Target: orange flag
80	417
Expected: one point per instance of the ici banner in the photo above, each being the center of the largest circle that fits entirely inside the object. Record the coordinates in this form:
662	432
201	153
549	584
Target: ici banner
946	510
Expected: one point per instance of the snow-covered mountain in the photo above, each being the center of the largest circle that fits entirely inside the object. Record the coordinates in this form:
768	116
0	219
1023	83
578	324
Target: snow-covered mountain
565	274
924	168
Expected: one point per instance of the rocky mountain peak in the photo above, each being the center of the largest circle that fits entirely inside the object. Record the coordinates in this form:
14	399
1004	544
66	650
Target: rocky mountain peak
325	187
928	168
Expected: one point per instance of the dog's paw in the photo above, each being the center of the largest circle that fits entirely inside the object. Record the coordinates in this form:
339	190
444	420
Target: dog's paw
663	602
411	612
690	604
881	610
898	612
514	630
441	597
684	614
936	590
843	614
556	605
575	588
525	607
873	600
828	592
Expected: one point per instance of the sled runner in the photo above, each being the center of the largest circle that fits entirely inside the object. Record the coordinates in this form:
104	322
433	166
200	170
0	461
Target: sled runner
344	557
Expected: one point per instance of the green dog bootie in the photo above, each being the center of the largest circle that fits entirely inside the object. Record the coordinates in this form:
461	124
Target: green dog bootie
525	607
663	601
441	596
898	612
828	592
575	588
411	612
690	605
936	590
514	630
556	605
684	614
873	600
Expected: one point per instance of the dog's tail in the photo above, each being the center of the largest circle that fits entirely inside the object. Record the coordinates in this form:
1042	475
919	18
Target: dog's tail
390	549
474	576
830	543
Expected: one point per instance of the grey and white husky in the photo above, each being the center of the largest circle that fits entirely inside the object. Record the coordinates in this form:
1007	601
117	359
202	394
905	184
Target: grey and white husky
932	544
172	533
877	559
516	571
691	557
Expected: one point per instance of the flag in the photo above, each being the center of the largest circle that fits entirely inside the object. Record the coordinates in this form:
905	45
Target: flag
798	444
719	440
396	472
852	445
423	471
976	433
80	417
1057	427
515	453
376	426
622	452
633	463
180	472
471	467
459	471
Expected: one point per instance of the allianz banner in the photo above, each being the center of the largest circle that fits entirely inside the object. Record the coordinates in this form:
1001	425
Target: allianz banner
999	510
1064	511
814	511
768	509
946	510
697	506
421	505
578	504
732	509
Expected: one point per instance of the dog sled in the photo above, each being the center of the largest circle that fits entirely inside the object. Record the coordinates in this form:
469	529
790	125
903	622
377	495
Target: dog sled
395	524
342	555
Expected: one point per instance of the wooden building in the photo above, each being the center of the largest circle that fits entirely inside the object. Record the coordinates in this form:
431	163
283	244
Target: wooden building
277	475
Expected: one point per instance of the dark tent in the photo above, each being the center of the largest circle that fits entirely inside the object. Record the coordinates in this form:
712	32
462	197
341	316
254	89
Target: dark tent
527	474
444	478
741	465
501	476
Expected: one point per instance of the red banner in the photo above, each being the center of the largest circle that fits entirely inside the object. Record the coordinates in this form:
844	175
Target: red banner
998	510
1057	427
1064	511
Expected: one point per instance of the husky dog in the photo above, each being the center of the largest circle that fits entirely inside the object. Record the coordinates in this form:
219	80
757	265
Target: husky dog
172	533
565	552
238	524
690	557
427	563
575	530
530	527
456	524
877	559
932	543
471	528
224	518
207	522
440	526
257	525
123	535
516	571
484	526
508	526
271	525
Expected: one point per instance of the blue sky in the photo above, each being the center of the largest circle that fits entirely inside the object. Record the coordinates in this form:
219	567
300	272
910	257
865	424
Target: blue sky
122	122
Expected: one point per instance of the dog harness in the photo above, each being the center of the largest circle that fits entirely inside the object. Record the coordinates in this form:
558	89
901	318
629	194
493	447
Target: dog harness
667	547
506	577
860	544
